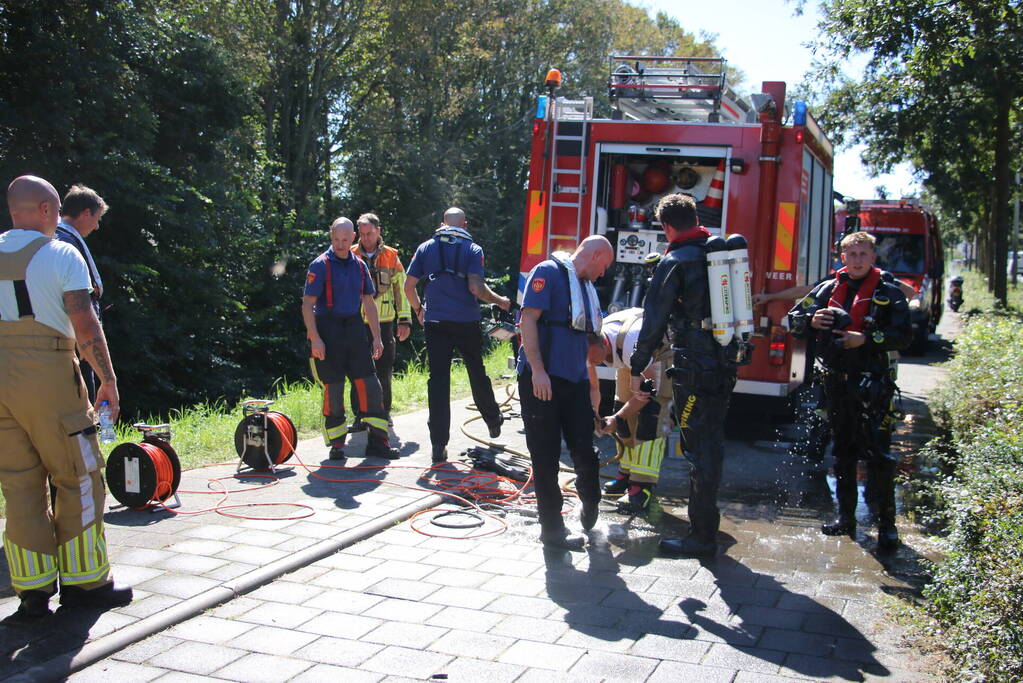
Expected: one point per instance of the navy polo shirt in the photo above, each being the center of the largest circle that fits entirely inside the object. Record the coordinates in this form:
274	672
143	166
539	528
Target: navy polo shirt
447	296
563	349
350	279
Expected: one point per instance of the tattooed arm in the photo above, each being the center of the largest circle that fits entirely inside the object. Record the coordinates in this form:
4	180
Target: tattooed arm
92	345
481	291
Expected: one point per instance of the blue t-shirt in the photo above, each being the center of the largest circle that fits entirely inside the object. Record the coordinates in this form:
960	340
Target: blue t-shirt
563	349
447	296
350	279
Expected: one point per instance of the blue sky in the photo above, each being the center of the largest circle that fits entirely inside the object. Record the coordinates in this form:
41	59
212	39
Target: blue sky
767	42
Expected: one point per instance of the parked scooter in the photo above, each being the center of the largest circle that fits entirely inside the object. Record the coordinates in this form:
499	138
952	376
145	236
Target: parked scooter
955	293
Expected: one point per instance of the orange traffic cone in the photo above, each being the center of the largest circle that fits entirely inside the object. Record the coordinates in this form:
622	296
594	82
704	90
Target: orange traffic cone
716	192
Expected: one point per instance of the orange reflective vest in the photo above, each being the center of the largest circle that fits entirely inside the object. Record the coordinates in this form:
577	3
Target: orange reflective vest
389	279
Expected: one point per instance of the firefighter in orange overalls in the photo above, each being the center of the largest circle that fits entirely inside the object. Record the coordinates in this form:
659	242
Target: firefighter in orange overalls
47	427
392	307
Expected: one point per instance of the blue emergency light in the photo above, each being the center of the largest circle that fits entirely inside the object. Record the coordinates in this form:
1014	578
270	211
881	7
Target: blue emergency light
799	114
541	107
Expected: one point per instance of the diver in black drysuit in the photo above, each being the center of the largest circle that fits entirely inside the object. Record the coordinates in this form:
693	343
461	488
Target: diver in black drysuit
859	386
703	372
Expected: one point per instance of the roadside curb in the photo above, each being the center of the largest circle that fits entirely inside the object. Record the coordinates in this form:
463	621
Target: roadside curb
67	663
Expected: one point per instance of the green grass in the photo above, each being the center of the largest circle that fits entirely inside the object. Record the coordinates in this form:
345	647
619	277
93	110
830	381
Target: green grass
204	433
976	296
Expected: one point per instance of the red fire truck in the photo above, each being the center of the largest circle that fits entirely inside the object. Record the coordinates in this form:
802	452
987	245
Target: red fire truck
909	246
758	166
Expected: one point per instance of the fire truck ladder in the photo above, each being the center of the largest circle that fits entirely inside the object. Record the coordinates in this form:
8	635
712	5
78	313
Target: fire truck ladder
674	89
570	119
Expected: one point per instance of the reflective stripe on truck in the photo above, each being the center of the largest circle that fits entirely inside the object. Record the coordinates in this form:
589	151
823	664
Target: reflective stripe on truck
784	233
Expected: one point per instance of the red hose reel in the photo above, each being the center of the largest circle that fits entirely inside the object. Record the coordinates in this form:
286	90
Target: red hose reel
264	438
146	474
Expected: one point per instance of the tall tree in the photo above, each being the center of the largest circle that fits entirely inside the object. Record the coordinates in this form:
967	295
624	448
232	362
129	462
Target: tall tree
941	88
449	119
121	97
310	65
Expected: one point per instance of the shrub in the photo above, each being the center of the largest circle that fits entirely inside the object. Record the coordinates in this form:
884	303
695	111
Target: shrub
977	591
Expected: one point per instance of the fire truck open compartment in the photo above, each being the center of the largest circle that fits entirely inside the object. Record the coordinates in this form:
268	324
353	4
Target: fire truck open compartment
631	179
757	166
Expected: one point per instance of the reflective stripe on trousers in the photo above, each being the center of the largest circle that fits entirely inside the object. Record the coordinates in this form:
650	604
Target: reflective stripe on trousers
84	559
644	459
29	570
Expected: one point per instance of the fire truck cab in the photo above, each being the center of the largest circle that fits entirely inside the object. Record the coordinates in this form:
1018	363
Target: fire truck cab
908	246
757	166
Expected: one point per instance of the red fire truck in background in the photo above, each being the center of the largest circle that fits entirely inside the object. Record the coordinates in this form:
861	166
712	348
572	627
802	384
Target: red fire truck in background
758	166
908	246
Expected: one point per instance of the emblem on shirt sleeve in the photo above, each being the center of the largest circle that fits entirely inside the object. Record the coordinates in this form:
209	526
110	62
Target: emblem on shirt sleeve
310	278
538	284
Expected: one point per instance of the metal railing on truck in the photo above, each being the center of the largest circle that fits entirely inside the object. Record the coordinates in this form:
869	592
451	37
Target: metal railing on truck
674	89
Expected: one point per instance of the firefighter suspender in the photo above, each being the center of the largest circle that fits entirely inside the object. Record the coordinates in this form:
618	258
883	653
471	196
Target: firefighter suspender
12	269
453	236
330	279
24	303
330	283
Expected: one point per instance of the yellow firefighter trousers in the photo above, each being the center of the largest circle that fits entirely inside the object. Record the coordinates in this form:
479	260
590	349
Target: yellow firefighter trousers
47	430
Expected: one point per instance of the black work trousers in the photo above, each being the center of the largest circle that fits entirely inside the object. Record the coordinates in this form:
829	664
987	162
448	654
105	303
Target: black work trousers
384	364
702	387
567	415
442	338
348	356
855	437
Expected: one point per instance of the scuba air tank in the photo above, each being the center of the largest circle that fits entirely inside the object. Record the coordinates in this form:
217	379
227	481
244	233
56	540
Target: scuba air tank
619	178
618	293
637	285
720	290
742	297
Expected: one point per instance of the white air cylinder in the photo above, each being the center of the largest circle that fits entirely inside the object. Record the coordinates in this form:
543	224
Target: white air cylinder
742	296
719	286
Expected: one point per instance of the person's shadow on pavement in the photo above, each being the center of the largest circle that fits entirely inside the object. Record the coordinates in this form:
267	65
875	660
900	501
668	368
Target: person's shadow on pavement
53	640
597	600
345	483
783	627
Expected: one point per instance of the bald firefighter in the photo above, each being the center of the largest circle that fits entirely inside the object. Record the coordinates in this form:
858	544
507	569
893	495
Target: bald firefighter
47	427
388	277
338	291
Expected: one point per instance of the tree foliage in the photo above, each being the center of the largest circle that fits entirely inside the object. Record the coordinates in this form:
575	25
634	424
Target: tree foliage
941	89
102	93
226	134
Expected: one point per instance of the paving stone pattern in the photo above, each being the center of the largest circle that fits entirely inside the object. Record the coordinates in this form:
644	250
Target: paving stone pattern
779	603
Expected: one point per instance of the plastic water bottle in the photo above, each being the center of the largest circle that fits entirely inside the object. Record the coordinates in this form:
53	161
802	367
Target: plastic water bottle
106	424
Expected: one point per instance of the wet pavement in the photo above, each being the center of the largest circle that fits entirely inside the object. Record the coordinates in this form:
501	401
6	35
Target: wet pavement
352	593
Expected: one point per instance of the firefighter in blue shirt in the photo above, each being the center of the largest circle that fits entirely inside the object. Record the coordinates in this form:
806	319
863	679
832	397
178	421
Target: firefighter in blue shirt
338	288
80	214
453	267
559	308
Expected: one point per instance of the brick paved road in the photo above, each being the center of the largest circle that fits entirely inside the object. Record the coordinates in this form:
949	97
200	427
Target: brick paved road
780	602
405	606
